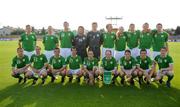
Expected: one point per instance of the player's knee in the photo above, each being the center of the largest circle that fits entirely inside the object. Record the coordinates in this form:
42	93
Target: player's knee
140	73
134	73
170	73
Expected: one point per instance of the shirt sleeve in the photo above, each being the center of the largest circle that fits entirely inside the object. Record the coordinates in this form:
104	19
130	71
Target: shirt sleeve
21	38
67	60
102	63
166	36
27	60
80	60
170	60
43	40
45	59
150	61
50	61
133	62
13	63
56	40
32	58
63	62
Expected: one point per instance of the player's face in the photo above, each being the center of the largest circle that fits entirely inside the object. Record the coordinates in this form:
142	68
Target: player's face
159	28
80	30
109	28
74	51
108	54
90	54
20	52
38	50
132	27
127	55
121	29
56	52
66	25
143	54
94	27
163	52
145	26
28	29
50	30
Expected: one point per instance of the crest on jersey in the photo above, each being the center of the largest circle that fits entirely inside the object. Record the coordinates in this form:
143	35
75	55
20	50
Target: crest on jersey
97	35
111	62
71	60
159	61
62	34
77	60
105	36
125	63
18	61
145	61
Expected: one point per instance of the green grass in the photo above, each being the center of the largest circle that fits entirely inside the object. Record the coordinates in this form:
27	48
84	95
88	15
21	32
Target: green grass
56	94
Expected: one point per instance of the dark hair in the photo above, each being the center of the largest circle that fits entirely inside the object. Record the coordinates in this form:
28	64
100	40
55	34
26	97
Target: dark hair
127	51
81	27
66	22
143	50
132	24
90	49
28	26
164	48
19	49
159	24
146	23
38	47
94	23
73	48
108	51
108	25
57	49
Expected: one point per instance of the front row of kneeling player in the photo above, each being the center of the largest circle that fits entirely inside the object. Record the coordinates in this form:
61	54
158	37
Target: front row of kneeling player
130	68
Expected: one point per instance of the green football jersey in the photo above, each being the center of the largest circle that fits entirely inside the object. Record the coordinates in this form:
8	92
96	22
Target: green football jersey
145	41
66	39
143	63
127	64
163	62
20	62
38	61
74	62
109	64
159	40
108	39
49	42
120	42
90	63
57	62
133	39
28	41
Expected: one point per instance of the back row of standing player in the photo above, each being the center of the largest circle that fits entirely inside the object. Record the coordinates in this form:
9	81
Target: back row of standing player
134	40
